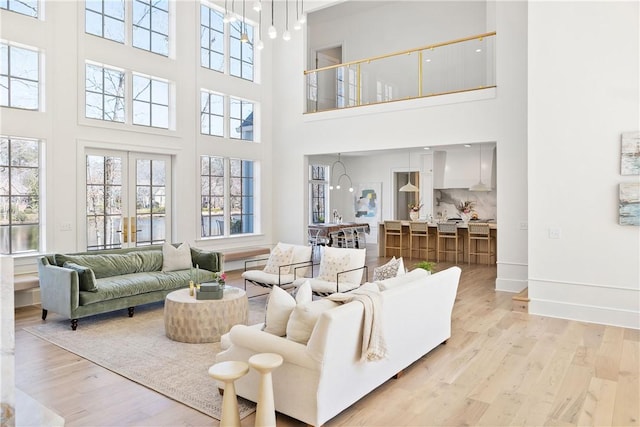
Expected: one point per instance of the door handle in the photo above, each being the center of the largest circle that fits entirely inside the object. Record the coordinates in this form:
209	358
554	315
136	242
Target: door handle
125	229
133	229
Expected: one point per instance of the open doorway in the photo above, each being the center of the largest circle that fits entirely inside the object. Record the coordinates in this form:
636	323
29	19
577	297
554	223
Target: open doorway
327	81
404	198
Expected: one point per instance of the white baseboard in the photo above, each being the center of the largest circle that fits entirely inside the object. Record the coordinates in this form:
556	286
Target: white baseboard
585	313
510	285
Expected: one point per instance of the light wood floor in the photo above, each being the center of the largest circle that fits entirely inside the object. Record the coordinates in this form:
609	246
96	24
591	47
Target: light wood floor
499	368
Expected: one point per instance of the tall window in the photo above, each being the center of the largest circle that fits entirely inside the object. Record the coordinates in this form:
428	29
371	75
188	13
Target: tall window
232	180
241	54
211	39
151	208
25	7
151	25
19	195
318	186
241	191
104	93
150	102
19	77
240	119
105	18
211	113
212	196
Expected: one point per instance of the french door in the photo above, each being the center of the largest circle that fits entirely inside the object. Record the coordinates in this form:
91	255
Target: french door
128	199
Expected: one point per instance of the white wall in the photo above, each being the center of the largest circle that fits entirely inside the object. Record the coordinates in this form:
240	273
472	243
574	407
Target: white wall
583	93
500	117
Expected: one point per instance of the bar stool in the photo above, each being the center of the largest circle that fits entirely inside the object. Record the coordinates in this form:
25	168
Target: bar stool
448	231
228	372
264	363
419	231
479	232
393	234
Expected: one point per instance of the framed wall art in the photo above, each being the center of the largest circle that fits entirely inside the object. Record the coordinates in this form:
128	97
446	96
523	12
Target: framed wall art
630	154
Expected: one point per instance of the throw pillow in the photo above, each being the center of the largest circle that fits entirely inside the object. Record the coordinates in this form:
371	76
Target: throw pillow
331	265
413	275
279	256
176	258
387	271
401	269
280	305
304	318
86	278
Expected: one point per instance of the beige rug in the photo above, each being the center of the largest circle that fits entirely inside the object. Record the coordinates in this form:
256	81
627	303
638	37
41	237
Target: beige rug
138	349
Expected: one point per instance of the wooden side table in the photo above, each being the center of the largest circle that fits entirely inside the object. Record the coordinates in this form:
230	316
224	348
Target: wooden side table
189	320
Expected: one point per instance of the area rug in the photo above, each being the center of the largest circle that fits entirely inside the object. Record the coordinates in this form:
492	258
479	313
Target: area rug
138	349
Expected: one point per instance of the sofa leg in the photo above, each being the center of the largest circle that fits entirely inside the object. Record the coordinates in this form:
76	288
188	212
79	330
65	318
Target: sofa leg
221	391
44	314
398	375
444	342
131	311
74	324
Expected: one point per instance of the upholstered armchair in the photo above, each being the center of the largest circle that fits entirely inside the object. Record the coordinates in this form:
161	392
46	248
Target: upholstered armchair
285	264
340	270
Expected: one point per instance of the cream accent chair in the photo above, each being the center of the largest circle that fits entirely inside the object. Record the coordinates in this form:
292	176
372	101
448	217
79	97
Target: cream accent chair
341	270
300	266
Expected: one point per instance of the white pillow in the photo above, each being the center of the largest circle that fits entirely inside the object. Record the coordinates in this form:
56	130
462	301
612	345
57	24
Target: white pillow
176	258
280	305
401	269
387	271
279	256
304	318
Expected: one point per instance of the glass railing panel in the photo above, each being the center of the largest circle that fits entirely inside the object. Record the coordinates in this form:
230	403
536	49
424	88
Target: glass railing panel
389	79
458	67
454	66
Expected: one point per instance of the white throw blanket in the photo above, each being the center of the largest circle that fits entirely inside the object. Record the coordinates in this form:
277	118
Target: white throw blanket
373	343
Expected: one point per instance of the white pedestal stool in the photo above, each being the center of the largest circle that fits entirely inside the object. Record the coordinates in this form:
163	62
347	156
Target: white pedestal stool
264	363
228	372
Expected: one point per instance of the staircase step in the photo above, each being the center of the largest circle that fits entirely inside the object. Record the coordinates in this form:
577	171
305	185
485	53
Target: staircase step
521	301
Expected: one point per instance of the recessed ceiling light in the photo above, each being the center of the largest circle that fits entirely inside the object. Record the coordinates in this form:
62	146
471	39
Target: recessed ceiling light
427	148
467	145
427	60
478	50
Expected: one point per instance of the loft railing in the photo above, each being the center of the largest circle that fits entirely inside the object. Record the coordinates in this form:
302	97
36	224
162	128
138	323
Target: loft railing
459	65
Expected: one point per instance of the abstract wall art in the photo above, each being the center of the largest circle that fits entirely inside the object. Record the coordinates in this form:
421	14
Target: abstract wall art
629	205
630	154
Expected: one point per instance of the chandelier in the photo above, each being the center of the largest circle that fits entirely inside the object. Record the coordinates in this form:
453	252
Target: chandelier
230	16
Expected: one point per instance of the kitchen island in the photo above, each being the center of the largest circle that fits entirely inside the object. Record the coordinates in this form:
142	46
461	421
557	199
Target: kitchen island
462	236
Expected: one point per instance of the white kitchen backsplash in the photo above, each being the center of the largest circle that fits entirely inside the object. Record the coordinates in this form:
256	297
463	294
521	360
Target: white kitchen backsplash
484	202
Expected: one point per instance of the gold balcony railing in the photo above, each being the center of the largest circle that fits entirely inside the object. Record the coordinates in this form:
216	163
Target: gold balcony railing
459	65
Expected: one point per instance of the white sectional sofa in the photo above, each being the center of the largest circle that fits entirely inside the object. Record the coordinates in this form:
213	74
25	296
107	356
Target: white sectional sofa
322	378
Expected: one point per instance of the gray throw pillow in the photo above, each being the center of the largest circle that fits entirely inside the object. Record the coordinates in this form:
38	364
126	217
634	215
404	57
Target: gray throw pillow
85	275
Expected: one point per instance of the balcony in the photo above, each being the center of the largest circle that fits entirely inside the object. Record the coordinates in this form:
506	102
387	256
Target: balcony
455	66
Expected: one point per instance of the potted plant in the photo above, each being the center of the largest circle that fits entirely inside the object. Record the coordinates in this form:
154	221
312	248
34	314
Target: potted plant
425	265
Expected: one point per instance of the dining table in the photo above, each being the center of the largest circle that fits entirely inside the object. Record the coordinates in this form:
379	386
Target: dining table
329	228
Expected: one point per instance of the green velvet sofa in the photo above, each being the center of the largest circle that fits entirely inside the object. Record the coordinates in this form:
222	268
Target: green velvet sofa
87	283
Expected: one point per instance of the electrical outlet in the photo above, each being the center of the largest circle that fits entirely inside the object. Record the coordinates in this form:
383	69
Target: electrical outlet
554	232
524	225
65	226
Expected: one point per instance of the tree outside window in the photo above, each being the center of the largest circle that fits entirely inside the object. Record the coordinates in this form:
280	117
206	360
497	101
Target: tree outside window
19	195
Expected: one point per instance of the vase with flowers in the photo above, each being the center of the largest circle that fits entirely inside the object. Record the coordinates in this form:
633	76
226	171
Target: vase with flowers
466	209
220	278
414	210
